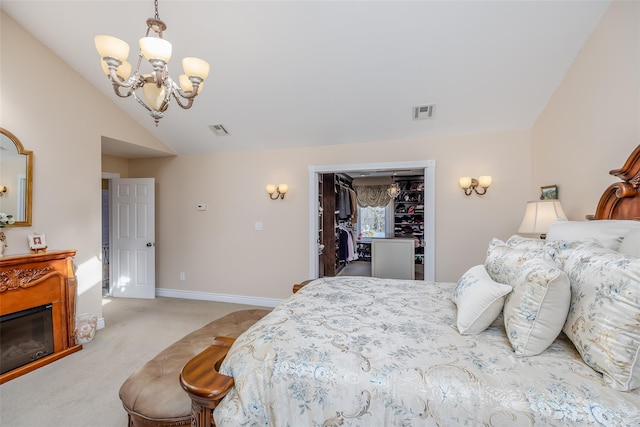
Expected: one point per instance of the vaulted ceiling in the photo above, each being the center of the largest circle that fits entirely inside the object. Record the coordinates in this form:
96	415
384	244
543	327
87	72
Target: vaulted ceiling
309	73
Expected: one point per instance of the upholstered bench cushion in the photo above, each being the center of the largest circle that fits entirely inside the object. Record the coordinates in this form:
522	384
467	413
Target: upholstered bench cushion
154	392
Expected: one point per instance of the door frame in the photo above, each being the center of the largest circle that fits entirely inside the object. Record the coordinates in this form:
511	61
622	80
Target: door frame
429	167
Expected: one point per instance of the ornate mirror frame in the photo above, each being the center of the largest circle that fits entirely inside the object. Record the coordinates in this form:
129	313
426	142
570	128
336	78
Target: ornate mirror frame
29	179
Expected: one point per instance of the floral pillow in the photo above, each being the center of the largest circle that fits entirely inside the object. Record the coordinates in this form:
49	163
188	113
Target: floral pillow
536	310
527	243
503	260
604	316
479	300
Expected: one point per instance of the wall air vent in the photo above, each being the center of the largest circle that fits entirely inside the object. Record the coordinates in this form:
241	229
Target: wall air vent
423	112
219	130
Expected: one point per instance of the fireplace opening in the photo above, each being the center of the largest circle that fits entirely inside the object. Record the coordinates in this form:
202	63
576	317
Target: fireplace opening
25	336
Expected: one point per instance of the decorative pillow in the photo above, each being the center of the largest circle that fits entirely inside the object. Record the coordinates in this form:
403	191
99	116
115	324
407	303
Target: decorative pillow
607	232
479	300
527	243
536	310
631	243
503	261
604	317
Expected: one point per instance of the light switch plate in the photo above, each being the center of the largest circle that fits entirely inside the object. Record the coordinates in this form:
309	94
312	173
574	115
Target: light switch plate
258	226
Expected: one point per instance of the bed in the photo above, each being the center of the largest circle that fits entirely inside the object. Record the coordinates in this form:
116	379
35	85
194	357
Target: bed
543	333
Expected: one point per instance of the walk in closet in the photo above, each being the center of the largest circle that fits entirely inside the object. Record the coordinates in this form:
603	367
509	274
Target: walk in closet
340	238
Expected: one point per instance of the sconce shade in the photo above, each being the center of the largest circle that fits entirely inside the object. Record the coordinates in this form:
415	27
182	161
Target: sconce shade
485	181
539	215
283	188
464	182
271	188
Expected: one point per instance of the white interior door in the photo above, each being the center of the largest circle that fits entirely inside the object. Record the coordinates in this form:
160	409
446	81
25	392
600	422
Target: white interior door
133	251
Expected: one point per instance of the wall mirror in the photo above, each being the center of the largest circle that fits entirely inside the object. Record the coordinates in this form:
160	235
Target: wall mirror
16	178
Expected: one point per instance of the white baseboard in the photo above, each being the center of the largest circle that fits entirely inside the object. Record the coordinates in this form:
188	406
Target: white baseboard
207	296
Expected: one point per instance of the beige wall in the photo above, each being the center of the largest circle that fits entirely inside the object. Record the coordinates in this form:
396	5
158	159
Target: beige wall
592	122
113	164
61	118
220	252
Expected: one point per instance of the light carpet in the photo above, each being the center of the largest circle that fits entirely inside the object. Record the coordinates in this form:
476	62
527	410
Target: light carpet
82	389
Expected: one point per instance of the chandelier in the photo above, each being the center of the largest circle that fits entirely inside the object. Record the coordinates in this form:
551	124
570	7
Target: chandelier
394	190
152	90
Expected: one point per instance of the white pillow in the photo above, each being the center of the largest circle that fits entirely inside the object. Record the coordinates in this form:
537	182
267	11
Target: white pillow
604	317
631	243
608	232
479	300
536	310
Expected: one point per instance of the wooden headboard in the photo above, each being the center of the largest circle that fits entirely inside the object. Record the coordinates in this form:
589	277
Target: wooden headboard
621	200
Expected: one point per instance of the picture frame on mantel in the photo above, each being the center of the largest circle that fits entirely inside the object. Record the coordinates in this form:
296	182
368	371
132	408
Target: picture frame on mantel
37	243
549	192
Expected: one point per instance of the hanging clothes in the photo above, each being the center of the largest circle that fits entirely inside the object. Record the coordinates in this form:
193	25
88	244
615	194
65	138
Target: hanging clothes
344	202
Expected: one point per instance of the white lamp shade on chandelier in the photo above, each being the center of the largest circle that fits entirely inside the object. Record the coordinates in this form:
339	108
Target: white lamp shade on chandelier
156	87
539	215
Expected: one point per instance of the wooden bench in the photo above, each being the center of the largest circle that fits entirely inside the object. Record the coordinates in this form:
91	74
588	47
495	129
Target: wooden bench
153	396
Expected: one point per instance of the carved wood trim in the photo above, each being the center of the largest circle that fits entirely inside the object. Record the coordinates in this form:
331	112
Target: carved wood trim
621	200
22	278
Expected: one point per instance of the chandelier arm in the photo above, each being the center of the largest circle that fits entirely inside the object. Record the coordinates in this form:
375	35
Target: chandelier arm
141	102
176	95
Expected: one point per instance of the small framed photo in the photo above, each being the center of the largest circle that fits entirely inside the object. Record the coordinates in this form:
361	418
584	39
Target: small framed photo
37	242
550	192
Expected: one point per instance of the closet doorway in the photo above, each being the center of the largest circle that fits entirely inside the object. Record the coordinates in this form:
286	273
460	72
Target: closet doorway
426	168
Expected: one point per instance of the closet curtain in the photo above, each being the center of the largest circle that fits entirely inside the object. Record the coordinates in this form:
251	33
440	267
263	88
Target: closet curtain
372	196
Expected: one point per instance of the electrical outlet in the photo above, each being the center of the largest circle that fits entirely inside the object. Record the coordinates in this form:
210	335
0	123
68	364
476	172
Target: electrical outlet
258	226
182	276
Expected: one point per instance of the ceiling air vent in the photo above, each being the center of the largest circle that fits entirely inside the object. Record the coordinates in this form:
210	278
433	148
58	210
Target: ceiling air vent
423	112
219	130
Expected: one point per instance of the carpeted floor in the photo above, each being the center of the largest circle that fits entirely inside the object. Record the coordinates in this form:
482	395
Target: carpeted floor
82	389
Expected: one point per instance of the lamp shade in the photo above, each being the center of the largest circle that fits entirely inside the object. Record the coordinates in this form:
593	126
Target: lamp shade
195	67
186	85
154	95
539	215
109	46
155	48
123	71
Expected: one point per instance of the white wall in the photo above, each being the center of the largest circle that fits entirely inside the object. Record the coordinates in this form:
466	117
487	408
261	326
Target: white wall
61	118
592	122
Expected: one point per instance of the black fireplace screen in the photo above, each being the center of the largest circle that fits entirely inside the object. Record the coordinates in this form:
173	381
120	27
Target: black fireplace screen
25	336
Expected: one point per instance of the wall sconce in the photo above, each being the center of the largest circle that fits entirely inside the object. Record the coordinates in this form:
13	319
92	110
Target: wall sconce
279	191
470	185
3	190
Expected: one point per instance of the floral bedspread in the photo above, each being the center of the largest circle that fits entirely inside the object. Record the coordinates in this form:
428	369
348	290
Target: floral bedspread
358	351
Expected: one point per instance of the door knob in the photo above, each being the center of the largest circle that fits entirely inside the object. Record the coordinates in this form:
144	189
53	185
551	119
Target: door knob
150	244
